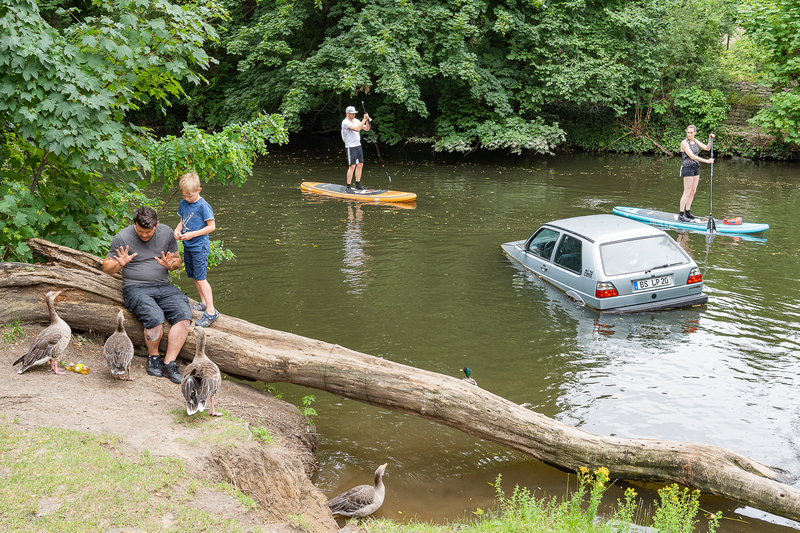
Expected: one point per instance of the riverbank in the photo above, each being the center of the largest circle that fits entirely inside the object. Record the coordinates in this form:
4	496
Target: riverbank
248	470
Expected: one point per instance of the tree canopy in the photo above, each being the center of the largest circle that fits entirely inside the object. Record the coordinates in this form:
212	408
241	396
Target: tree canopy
71	162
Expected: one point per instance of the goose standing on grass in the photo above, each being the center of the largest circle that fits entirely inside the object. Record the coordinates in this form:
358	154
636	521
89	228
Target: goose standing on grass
119	351
466	377
363	500
49	343
201	379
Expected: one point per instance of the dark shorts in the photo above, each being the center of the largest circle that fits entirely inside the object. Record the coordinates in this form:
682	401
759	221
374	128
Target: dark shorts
692	170
355	155
195	261
151	304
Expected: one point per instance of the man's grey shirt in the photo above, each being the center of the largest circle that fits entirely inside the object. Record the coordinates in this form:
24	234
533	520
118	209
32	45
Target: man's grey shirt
144	269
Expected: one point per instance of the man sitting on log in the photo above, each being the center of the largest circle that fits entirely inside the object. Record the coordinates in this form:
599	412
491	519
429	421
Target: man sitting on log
145	253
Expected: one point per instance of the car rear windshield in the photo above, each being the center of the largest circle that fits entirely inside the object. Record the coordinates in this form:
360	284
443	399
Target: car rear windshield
637	255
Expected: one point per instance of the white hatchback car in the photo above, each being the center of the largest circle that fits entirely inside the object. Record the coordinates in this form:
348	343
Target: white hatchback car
612	264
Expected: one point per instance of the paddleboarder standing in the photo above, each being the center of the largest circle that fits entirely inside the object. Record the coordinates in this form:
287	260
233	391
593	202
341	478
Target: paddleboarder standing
352	145
690	170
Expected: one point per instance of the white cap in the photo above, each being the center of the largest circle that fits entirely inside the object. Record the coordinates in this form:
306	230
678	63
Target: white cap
350	109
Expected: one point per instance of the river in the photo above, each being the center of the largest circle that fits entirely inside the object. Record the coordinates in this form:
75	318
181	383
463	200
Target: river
429	287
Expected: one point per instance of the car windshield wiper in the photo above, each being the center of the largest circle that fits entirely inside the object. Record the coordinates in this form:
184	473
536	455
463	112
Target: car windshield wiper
662	266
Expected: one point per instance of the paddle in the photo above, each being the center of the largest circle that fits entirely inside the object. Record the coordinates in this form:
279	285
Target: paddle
712	226
372	131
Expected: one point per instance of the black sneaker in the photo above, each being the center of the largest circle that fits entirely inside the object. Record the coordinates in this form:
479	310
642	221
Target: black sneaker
358	186
689	216
683	218
349	190
171	371
154	366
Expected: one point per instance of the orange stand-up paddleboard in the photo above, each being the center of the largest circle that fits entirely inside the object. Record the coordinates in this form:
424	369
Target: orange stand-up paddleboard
366	195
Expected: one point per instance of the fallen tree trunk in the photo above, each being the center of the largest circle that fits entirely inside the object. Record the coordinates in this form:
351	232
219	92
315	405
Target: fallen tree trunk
91	299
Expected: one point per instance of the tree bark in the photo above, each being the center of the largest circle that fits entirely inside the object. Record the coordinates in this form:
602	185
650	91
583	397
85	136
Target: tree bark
91	299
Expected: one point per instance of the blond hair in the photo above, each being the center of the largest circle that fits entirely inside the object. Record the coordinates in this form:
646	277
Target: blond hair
189	183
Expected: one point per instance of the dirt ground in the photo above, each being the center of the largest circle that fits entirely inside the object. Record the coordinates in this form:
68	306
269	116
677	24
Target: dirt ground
142	413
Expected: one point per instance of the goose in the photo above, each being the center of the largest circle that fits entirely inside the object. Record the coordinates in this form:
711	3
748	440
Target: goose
49	343
201	379
118	350
466	377
363	500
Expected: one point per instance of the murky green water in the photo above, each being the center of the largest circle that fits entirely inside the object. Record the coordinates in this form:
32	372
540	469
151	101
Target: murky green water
429	287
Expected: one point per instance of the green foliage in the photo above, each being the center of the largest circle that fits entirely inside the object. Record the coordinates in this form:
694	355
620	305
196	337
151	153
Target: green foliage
13	332
692	46
226	156
263	435
772	25
677	511
460	75
69	162
745	59
308	411
705	109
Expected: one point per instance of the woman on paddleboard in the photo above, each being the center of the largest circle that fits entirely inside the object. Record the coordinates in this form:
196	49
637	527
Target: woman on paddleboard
690	170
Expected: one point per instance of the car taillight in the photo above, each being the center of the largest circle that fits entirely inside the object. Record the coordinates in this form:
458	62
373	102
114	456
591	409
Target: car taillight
694	276
605	290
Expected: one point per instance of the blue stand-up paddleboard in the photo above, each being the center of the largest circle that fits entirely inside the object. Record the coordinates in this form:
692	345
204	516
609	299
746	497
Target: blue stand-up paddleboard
670	220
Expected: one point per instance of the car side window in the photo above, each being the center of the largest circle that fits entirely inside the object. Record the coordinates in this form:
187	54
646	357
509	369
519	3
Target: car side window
570	254
542	244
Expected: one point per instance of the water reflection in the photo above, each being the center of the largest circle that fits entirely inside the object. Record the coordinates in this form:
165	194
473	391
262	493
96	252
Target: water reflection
356	272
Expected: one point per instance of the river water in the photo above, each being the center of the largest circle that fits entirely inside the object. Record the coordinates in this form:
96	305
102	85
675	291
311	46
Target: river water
428	286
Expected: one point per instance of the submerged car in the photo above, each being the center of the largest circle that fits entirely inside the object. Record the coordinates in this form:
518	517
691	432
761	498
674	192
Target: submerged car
612	264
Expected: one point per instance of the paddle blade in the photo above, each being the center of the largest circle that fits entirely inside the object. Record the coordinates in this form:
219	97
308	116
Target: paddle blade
712	226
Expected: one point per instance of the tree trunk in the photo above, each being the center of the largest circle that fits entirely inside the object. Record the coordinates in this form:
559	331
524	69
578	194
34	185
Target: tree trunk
91	299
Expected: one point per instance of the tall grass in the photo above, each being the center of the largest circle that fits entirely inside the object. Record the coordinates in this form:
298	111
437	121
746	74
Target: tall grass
521	512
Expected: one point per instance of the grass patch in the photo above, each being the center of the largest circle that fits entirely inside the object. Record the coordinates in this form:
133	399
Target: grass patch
64	480
246	501
263	435
13	332
227	430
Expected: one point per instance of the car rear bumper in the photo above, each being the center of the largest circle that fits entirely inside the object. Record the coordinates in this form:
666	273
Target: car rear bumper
673	303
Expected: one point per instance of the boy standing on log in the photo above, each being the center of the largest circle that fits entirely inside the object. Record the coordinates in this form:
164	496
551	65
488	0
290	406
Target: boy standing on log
145	253
197	221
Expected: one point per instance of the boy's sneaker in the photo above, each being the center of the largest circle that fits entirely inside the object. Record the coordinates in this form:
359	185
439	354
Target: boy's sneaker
348	189
358	186
199	306
206	320
171	371
154	366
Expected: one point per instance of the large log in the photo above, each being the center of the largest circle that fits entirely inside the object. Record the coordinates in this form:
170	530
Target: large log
91	299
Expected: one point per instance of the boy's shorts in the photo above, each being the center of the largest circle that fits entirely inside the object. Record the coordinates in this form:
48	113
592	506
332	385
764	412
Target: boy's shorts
151	304
195	260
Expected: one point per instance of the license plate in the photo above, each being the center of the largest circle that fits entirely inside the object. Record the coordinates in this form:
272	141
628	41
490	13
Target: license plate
652	283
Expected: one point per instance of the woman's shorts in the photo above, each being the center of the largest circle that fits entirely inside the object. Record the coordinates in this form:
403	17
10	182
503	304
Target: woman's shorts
693	170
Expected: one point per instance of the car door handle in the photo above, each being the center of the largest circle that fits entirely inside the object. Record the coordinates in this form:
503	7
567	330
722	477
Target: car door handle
544	268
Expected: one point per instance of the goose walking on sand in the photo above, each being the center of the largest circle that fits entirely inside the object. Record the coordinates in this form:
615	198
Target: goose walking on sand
201	379
363	500
49	343
119	351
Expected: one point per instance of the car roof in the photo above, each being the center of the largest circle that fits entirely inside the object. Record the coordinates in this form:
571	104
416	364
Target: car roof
605	228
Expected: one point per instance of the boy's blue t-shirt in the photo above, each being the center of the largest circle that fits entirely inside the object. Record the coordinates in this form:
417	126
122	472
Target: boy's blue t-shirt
194	217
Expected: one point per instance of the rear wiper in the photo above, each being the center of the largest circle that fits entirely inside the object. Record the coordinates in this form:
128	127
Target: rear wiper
662	266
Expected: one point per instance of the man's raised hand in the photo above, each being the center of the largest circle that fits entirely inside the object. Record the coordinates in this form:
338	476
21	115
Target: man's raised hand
123	258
